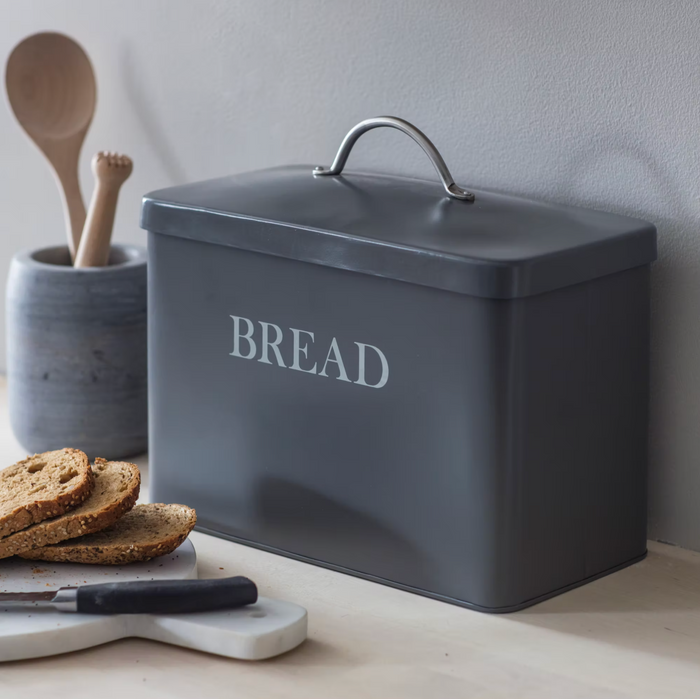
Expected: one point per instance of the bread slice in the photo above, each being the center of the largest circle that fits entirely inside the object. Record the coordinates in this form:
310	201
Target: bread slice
42	486
116	491
143	533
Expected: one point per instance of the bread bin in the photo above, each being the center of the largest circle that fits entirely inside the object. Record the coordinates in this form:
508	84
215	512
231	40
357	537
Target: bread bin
440	390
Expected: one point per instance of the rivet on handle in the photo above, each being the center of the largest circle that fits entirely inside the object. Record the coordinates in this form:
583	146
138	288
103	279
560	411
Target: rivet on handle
416	134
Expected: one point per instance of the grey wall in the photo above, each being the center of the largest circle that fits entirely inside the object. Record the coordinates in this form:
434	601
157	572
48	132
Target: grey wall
593	102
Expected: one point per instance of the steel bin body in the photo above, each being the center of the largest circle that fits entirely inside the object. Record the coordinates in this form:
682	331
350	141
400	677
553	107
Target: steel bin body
446	396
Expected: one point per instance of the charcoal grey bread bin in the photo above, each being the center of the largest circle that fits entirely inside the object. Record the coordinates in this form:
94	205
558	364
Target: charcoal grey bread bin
363	372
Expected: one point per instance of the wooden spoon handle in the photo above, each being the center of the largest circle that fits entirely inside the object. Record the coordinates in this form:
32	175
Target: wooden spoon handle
111	170
73	208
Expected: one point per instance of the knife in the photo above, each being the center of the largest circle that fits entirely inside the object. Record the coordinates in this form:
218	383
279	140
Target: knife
141	597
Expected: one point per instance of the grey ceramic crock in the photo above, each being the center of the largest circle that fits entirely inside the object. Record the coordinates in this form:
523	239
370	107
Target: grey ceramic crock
76	352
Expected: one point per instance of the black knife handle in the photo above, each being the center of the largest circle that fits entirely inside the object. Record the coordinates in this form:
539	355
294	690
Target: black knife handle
166	596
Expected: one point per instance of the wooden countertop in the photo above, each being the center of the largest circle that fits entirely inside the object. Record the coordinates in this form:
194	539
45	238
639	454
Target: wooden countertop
632	634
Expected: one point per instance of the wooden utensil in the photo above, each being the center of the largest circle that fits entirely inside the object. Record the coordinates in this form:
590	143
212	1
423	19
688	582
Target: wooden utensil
110	170
52	91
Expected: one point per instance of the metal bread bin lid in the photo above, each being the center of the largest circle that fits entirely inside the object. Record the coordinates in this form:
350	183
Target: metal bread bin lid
434	234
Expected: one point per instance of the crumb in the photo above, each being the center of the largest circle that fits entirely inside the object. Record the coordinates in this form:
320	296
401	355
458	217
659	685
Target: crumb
220	568
38	571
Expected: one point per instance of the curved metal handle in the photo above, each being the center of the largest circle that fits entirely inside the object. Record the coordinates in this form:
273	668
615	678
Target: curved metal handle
416	134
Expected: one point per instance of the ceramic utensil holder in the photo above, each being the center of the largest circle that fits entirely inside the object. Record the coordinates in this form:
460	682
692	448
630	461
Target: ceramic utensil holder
76	352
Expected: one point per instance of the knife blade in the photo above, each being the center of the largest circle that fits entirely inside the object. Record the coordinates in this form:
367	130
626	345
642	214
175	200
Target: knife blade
141	597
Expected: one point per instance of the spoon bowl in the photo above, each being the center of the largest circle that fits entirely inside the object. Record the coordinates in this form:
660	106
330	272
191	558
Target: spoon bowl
52	91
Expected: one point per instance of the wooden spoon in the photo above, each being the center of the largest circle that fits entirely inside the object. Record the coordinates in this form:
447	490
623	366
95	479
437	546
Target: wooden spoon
111	170
51	88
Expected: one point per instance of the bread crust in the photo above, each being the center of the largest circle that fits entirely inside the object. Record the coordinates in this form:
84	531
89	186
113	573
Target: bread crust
115	492
20	502
108	547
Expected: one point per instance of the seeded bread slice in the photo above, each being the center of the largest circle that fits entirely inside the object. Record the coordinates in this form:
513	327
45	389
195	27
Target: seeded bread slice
42	486
116	491
145	532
